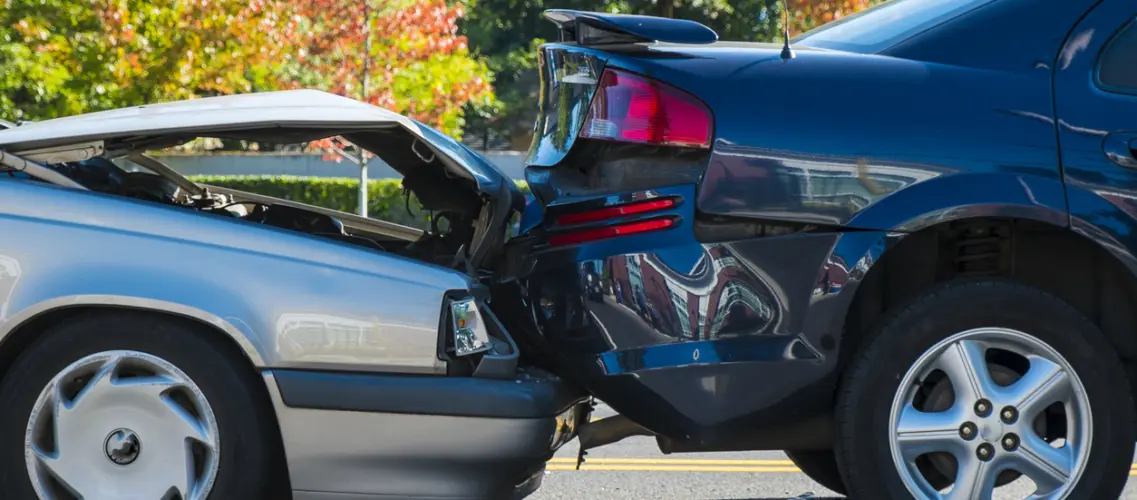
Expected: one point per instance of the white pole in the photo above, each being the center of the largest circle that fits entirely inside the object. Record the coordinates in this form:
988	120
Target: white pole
363	184
366	90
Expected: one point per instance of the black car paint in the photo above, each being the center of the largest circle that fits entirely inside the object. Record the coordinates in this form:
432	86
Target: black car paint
855	151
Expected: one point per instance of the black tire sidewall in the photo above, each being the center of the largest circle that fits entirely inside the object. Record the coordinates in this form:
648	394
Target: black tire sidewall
820	466
237	406
865	402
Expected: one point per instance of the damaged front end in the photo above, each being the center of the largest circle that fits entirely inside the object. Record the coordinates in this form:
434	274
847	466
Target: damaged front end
469	201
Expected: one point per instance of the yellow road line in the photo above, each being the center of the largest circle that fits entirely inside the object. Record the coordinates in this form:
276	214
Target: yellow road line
686	465
672	461
668	468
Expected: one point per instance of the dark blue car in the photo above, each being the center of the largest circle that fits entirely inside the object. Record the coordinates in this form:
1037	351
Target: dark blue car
902	248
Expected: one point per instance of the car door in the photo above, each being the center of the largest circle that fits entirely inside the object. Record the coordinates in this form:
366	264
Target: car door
1095	85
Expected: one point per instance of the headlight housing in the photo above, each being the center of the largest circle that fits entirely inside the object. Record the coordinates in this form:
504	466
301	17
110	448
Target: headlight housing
470	334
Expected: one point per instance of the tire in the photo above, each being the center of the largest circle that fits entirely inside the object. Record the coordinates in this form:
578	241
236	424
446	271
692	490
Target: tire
820	466
131	342
963	321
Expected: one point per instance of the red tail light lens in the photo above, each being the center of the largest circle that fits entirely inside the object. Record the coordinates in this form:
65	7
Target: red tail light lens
610	232
606	213
631	108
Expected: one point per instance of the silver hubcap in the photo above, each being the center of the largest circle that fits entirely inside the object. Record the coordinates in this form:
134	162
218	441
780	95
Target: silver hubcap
122	424
1034	423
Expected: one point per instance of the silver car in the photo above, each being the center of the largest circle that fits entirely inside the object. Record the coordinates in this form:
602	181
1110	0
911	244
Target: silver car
164	339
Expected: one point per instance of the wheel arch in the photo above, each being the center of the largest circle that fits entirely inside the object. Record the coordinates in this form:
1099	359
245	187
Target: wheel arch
22	333
34	317
1071	264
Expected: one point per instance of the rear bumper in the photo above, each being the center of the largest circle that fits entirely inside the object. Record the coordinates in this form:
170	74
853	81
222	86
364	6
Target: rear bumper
695	340
361	436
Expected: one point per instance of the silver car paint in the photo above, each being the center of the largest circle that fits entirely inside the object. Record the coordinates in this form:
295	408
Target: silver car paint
288	300
358	455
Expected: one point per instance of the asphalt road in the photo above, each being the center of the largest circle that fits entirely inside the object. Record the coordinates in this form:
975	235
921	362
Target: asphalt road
634	469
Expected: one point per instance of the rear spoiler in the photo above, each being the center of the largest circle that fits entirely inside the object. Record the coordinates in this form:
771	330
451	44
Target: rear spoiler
597	28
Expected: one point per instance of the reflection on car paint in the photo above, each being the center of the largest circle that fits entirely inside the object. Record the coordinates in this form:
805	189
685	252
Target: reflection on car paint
236	280
571	77
326	338
9	277
710	299
763	182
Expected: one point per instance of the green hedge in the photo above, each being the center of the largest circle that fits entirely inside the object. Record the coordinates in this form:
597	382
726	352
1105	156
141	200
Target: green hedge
385	198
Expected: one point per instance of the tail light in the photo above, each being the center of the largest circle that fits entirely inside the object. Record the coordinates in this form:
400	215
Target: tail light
470	335
601	233
631	108
606	213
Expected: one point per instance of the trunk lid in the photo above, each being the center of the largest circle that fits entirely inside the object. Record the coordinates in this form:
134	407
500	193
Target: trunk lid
623	285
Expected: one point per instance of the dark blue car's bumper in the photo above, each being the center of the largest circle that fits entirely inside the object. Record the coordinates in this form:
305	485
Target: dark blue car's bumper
689	338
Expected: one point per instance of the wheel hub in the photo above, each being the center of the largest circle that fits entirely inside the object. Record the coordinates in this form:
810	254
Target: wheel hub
956	393
122	446
991	432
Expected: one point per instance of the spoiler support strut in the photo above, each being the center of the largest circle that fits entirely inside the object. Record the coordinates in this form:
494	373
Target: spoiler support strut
38	171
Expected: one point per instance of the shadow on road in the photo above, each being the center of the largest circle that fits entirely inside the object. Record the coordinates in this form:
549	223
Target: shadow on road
788	498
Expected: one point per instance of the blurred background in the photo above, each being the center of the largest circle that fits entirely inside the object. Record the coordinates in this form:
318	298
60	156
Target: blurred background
466	67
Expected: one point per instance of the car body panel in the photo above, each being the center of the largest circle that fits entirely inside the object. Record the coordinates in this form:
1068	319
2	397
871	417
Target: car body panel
1103	192
291	300
373	455
913	137
777	158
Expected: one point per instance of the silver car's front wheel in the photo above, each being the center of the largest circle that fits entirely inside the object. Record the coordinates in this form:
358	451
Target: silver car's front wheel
120	404
977	390
985	406
122	424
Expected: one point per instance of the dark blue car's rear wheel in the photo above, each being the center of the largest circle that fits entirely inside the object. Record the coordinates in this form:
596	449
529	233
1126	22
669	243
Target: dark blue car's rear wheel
979	384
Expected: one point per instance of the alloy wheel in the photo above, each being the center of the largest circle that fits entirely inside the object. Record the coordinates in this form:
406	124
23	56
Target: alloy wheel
1037	425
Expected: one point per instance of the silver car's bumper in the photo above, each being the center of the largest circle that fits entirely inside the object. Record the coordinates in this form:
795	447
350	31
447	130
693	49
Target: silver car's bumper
364	436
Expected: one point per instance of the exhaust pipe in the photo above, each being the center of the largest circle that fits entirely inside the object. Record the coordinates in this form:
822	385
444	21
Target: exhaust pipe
609	430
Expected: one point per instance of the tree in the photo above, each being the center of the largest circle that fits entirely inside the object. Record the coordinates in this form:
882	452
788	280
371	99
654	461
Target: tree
403	55
808	14
508	32
61	57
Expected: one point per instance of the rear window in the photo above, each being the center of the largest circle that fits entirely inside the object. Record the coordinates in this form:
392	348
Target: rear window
875	29
1118	65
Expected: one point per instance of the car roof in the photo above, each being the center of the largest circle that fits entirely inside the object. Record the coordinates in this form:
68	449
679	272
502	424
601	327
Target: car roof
288	108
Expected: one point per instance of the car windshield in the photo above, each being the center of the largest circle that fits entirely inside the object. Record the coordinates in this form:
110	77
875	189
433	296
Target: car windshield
880	27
